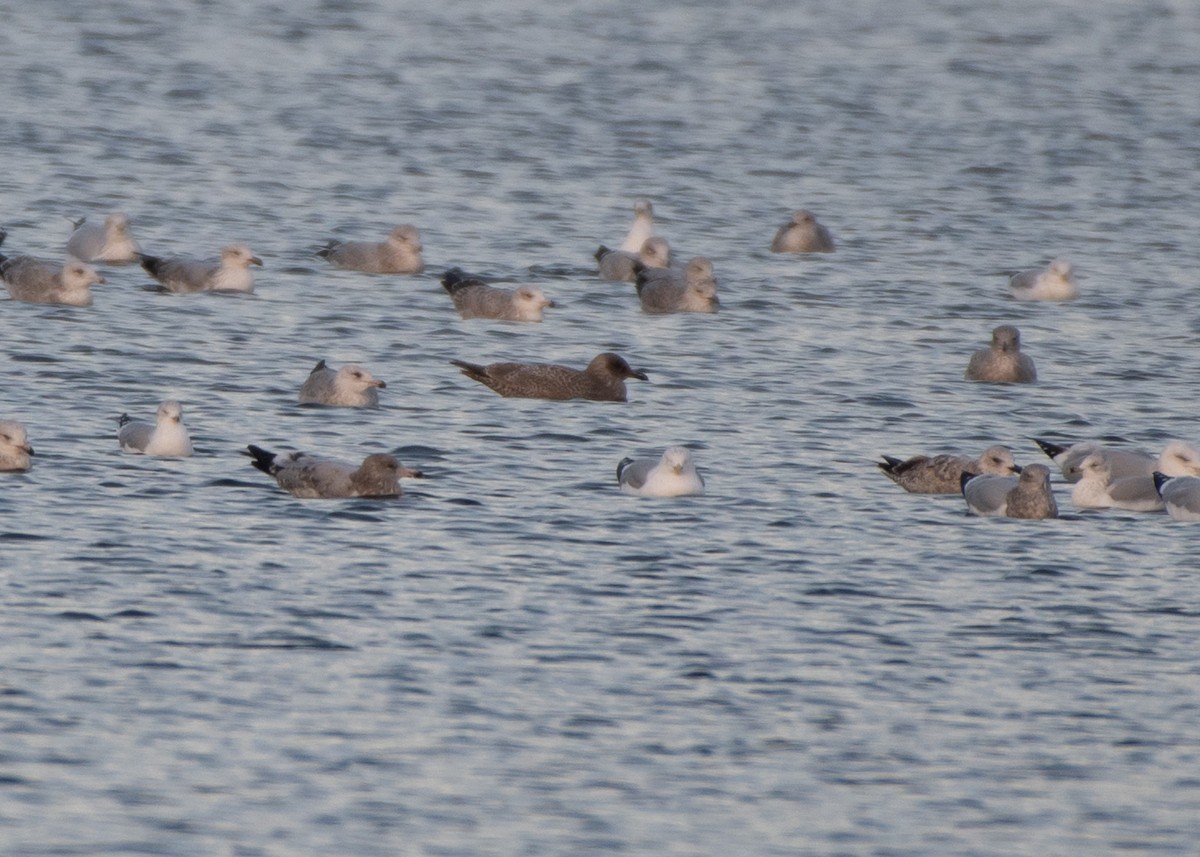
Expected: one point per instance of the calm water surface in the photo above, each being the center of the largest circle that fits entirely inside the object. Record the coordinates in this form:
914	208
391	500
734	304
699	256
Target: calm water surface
515	658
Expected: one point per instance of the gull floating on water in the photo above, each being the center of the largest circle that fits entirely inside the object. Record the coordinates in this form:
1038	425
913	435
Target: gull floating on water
1176	457
351	386
1099	488
942	474
802	234
473	298
672	475
181	274
622	265
603	380
663	290
1052	283
111	242
166	437
39	281
1024	496
15	450
1180	494
1003	362
400	253
642	228
308	477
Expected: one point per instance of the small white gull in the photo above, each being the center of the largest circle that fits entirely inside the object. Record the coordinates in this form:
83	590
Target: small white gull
166	437
184	275
1055	282
111	242
642	228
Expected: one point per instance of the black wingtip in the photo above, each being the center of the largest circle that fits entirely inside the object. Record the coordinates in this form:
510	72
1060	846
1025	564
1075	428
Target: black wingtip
621	465
963	480
320	366
261	458
149	264
601	253
1051	449
889	464
1160	479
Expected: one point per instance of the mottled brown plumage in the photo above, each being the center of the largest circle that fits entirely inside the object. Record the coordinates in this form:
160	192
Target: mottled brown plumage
602	381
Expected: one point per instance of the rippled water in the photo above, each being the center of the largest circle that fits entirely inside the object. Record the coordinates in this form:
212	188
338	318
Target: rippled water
515	658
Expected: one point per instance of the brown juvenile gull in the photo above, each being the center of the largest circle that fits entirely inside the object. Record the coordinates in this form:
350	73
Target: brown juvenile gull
1180	494
15	450
693	289
642	228
602	381
672	475
622	265
942	474
183	275
802	234
473	298
400	253
39	281
110	242
1122	462
1003	362
1052	283
308	477
351	386
166	437
1024	496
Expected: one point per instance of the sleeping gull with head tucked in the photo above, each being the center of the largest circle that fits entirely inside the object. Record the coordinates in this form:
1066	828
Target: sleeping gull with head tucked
1055	282
672	475
603	380
111	241
1003	362
183	275
942	474
473	298
1176	458
1024	496
308	477
166	437
663	290
1180	494
642	228
39	281
623	265
802	234
15	450
399	253
1099	488
351	386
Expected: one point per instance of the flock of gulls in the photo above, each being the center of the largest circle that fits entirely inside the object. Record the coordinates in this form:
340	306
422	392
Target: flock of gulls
991	484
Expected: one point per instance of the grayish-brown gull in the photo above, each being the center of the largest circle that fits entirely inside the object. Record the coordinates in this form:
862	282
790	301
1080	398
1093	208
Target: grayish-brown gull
309	477
1003	362
183	275
350	386
473	298
802	234
111	242
672	475
693	289
622	265
1025	496
15	450
40	281
399	253
942	474
166	437
603	380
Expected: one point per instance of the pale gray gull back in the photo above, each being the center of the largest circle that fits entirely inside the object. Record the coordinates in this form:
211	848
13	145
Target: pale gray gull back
623	266
663	290
1026	496
672	475
111	242
183	275
351	386
1055	282
1180	494
166	437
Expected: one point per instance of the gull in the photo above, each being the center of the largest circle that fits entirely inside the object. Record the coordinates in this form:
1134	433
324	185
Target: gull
1099	488
672	475
1180	494
39	281
166	437
1003	362
942	474
663	290
15	450
1024	496
399	253
110	242
473	298
802	234
1177	457
642	228
622	265
309	477
603	380
1053	283
351	386
181	274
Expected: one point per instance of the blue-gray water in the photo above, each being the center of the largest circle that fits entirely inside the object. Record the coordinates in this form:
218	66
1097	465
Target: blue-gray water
515	659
